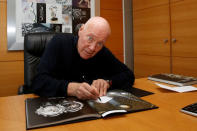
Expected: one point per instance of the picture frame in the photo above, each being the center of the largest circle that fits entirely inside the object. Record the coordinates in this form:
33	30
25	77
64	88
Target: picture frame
28	16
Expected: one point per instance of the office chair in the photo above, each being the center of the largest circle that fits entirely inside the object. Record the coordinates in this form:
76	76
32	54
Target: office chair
34	46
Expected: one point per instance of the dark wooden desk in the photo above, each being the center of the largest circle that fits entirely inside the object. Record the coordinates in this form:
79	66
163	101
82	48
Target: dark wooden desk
166	118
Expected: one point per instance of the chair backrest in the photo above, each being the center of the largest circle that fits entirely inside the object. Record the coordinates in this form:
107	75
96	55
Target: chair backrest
34	46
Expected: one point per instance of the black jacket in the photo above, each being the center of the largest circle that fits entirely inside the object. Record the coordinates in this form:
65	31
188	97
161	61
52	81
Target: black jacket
61	64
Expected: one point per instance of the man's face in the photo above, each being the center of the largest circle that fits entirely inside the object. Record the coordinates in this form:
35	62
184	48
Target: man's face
90	42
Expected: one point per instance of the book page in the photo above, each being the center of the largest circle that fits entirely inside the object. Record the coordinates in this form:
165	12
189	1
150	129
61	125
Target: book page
41	112
118	101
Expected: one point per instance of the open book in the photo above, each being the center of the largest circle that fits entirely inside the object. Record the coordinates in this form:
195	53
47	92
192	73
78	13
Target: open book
173	79
41	112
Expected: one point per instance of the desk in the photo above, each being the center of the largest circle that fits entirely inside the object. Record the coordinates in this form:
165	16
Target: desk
166	118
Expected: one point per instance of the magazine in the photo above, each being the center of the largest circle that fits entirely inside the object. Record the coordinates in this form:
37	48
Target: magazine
173	79
42	112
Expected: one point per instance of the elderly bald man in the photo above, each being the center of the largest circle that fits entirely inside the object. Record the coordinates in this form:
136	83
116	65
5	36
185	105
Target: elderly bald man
81	66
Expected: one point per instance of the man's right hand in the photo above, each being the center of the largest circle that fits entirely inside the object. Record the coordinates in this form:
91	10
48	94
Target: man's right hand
82	91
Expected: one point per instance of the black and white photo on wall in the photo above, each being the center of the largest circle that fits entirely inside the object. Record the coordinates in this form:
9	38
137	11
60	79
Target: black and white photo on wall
54	15
49	16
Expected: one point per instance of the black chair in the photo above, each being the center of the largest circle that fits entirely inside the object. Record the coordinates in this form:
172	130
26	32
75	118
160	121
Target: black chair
34	46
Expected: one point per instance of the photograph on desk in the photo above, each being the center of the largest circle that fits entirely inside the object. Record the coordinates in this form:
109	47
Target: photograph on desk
42	112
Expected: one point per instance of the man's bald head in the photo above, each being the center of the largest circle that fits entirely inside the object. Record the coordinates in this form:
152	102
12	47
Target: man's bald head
98	23
92	37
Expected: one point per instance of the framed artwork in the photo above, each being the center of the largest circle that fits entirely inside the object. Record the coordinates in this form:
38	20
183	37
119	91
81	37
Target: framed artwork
29	16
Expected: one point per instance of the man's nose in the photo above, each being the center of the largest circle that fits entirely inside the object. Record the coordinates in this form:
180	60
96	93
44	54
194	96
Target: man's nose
92	46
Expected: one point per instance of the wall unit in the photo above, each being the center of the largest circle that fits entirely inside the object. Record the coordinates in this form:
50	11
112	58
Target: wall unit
11	63
165	37
184	30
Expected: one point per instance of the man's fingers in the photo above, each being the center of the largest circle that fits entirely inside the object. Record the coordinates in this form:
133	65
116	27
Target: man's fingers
92	91
95	83
83	93
105	89
101	85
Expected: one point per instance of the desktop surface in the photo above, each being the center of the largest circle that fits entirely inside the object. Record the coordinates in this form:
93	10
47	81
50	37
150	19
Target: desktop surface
166	117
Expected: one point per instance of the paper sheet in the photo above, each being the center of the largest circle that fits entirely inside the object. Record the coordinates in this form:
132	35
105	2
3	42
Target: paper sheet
179	89
104	99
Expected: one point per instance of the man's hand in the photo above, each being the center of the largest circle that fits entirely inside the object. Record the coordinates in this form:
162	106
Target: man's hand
101	85
82	91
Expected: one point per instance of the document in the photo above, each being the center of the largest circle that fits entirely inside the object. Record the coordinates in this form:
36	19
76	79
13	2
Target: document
179	89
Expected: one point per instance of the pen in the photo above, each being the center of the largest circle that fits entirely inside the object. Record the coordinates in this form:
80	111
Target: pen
83	76
99	98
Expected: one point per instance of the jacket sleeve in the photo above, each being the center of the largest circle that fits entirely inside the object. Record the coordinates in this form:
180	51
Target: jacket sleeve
120	75
45	84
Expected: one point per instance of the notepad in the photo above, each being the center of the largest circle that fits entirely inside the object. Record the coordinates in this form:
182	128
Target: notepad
179	89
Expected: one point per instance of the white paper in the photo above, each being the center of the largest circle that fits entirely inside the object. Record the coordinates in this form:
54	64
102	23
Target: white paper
104	99
179	89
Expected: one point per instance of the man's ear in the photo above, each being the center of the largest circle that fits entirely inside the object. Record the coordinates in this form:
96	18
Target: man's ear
80	29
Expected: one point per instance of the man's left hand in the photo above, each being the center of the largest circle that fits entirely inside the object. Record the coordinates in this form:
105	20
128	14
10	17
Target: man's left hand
101	85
